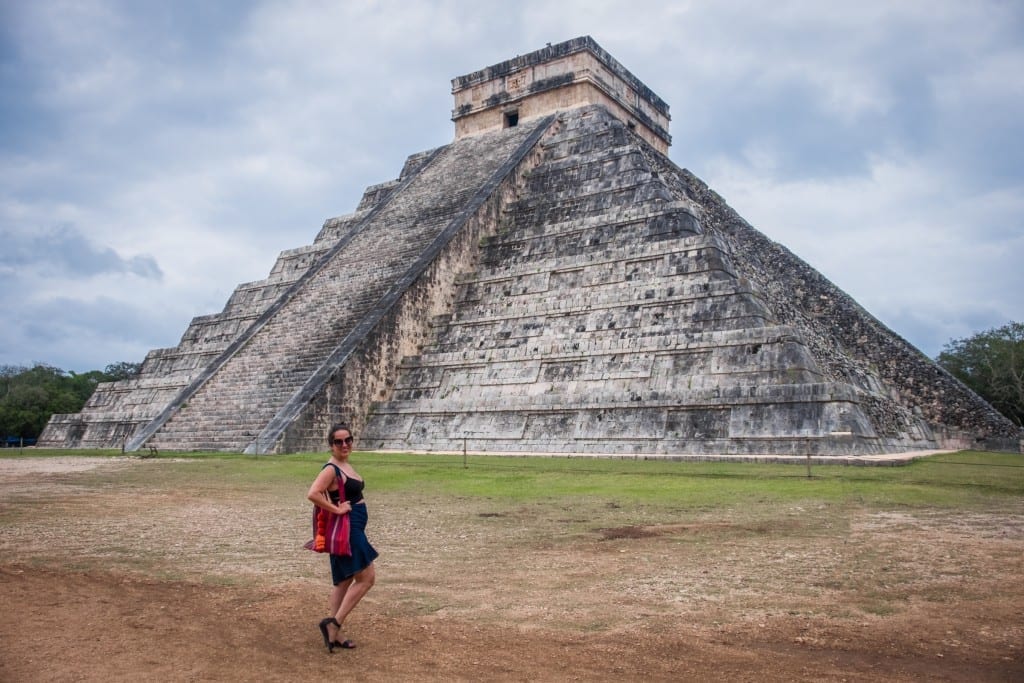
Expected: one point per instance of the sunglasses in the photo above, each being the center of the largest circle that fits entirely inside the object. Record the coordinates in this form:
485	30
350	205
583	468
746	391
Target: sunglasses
347	440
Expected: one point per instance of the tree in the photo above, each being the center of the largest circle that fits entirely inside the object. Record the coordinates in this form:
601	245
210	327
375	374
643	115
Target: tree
29	396
22	410
122	370
992	364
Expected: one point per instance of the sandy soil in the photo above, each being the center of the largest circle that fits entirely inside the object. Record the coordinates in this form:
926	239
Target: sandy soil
107	577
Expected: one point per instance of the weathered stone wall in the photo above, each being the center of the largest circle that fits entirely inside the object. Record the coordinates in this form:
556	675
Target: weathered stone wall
569	96
903	391
563	76
605	319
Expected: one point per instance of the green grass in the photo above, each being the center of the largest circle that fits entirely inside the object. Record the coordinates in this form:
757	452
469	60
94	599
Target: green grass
964	479
960	479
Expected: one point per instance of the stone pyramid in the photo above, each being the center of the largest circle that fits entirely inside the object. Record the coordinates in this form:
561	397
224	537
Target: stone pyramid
549	282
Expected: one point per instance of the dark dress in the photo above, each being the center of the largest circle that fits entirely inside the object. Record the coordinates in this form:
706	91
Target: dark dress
363	554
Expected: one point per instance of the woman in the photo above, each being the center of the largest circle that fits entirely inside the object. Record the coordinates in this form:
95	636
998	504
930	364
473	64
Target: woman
353	575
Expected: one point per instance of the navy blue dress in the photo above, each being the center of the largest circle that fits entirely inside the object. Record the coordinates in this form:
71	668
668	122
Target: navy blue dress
363	554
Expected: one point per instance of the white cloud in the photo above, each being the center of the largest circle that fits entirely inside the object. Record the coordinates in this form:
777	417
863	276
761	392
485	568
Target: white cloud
903	240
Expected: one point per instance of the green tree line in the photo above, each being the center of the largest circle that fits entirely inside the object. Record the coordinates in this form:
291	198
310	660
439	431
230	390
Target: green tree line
29	396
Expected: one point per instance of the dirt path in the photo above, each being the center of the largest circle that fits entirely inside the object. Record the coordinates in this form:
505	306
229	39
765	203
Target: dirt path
894	598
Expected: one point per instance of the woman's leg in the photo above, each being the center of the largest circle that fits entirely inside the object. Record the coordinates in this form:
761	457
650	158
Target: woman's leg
337	596
358	586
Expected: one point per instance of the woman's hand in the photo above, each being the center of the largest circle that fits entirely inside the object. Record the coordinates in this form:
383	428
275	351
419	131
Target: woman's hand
344	508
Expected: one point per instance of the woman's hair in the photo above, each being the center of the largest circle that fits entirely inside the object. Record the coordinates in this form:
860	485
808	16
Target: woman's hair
335	427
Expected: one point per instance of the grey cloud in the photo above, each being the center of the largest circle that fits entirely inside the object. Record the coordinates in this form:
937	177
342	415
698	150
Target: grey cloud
931	327
66	250
83	334
73	315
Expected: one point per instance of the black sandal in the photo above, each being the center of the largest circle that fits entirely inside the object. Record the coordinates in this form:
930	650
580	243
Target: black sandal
345	644
328	643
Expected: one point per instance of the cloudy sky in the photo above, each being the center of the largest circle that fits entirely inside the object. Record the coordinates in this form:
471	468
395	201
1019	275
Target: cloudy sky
153	155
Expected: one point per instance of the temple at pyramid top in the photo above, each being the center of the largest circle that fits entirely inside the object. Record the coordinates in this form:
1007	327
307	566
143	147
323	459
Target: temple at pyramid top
572	74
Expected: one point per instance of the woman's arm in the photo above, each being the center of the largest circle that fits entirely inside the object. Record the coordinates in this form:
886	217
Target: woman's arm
318	493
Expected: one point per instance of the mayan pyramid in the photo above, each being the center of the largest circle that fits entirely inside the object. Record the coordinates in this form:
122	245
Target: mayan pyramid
549	282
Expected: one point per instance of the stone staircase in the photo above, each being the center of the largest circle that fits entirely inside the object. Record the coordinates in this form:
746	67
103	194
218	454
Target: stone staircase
234	405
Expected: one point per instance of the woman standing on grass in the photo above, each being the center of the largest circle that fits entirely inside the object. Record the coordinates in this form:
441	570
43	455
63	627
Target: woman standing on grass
352	575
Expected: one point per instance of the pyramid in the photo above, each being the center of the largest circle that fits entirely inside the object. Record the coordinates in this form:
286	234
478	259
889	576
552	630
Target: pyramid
549	282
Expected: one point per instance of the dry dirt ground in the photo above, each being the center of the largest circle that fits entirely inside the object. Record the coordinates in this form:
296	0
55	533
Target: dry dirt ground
114	570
